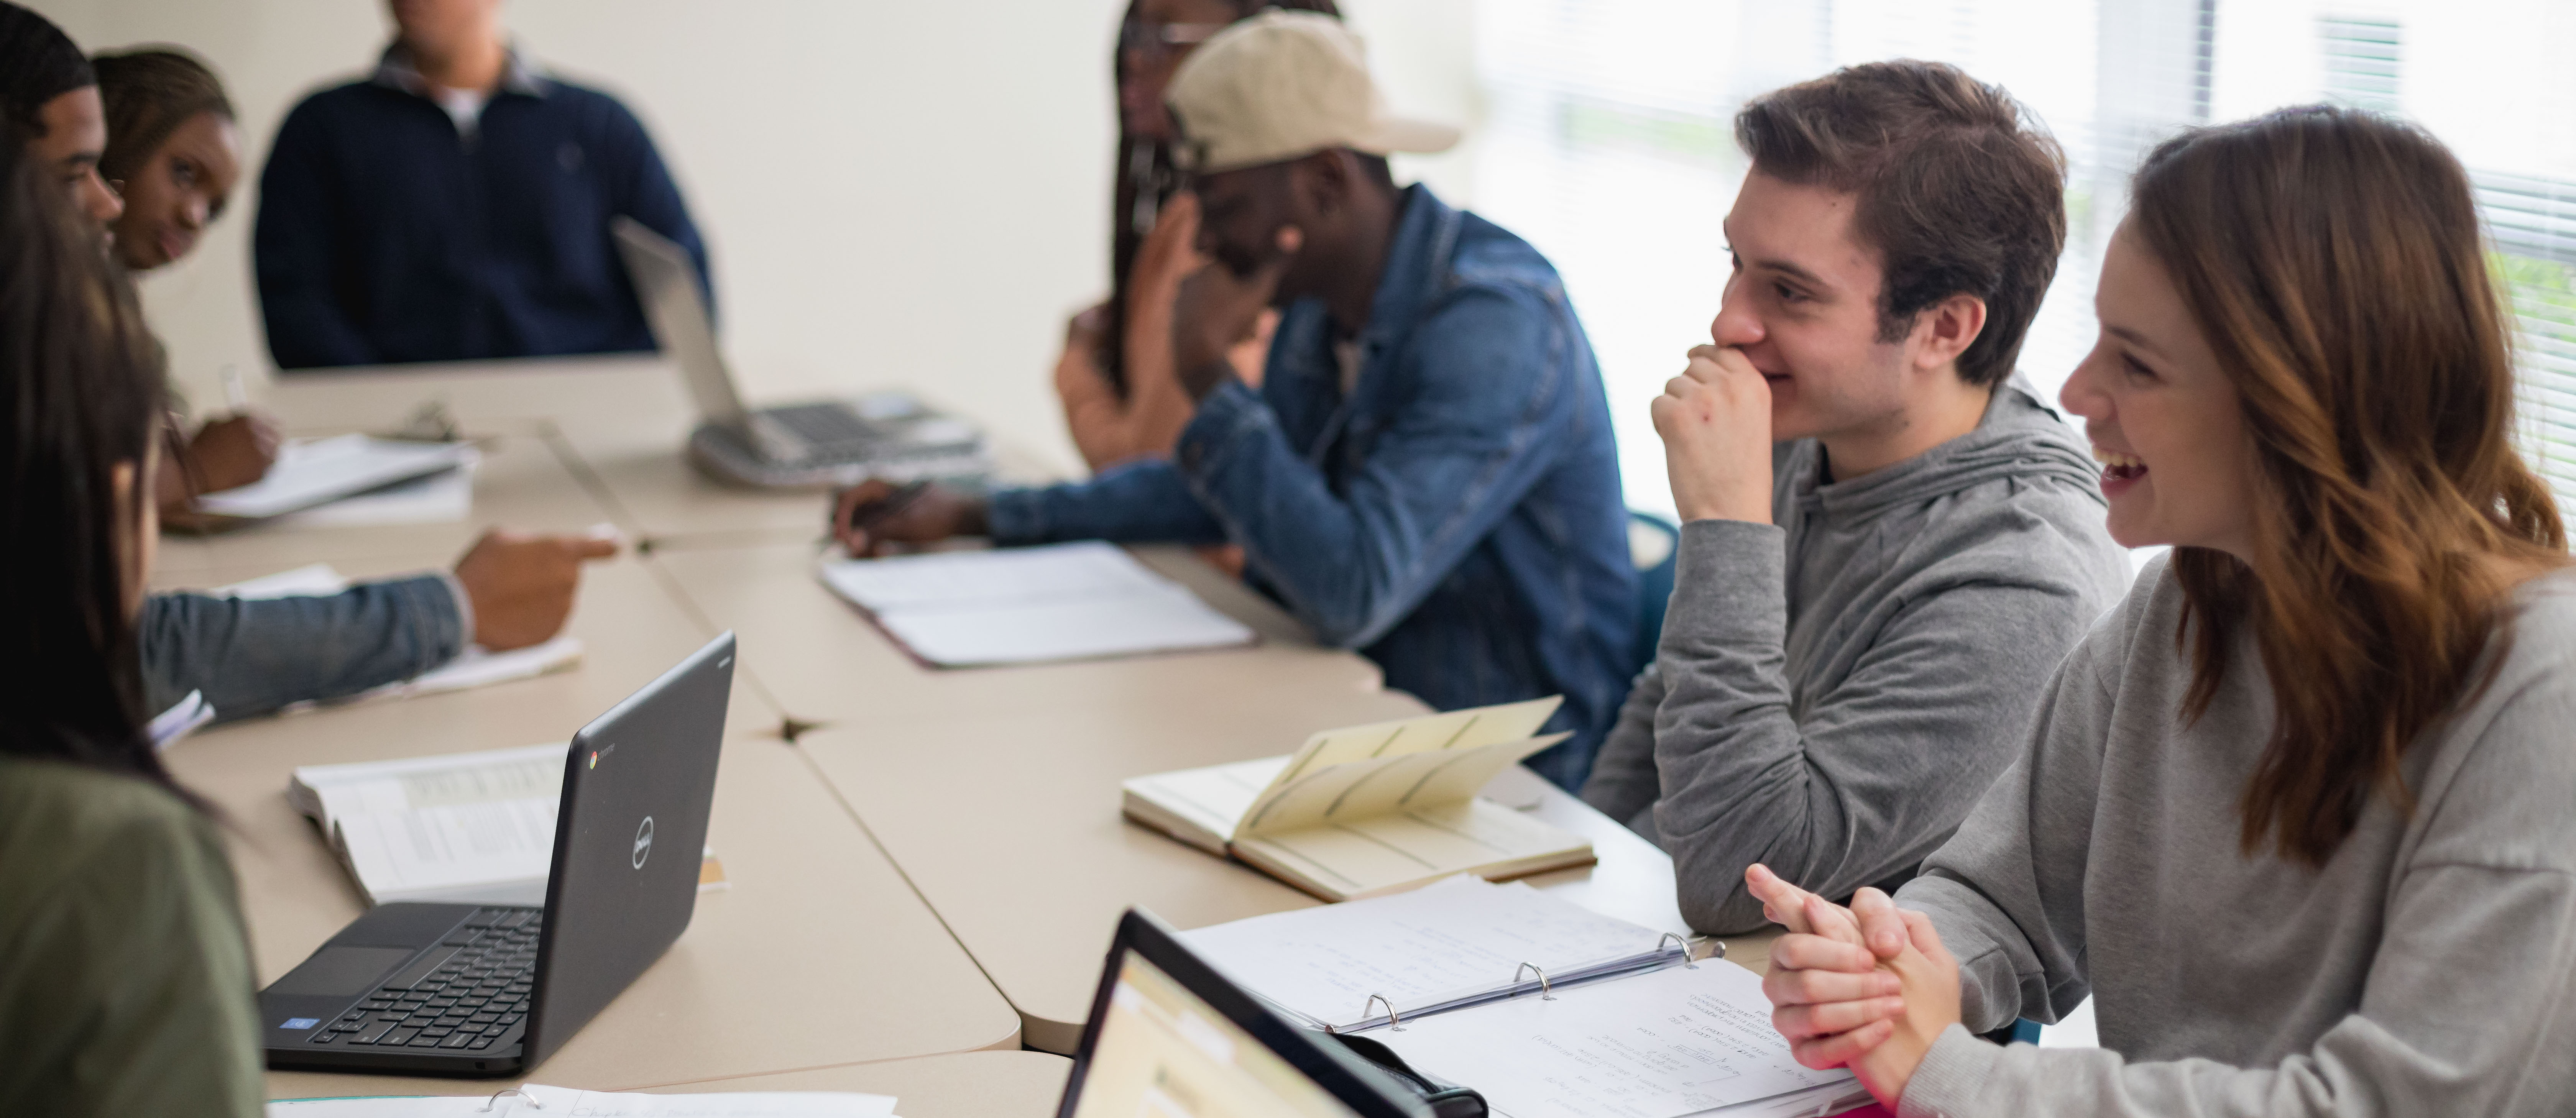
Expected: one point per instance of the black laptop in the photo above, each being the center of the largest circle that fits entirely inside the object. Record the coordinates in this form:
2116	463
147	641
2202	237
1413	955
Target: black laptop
1168	1035
491	990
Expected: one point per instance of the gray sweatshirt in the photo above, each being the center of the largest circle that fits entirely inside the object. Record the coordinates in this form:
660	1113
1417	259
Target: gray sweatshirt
2429	968
1834	690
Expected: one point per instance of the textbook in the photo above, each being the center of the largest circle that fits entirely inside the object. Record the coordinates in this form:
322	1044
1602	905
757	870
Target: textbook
1027	605
529	1100
1368	810
467	828
1548	1009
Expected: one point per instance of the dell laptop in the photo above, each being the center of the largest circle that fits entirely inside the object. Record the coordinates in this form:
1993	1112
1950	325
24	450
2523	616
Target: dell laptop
490	990
824	442
1168	1035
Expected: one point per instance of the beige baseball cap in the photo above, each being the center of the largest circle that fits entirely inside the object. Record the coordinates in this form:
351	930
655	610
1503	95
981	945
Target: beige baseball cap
1283	85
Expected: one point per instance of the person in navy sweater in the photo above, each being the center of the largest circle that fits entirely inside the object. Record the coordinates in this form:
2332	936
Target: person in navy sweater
455	206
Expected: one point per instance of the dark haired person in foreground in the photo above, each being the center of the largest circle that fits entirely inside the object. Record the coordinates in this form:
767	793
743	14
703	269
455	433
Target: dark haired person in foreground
1426	474
1887	541
126	981
455	206
2296	816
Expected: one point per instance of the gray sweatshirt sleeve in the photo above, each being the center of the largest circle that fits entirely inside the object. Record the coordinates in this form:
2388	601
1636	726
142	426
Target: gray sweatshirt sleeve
2471	994
1624	783
1879	771
251	657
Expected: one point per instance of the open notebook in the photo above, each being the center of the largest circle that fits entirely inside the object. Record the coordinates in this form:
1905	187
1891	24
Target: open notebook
1548	1009
312	472
1026	605
474	828
1371	809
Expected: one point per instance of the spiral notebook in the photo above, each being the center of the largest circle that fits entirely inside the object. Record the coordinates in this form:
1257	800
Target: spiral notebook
1546	1008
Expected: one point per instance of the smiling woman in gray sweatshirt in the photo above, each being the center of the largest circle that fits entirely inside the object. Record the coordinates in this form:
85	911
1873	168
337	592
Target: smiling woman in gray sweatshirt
2300	817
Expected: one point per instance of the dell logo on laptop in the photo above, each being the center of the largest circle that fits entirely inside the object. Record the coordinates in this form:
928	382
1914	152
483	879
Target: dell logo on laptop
643	842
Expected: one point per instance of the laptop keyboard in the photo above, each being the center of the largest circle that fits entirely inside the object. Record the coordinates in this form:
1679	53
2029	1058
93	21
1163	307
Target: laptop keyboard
824	425
467	994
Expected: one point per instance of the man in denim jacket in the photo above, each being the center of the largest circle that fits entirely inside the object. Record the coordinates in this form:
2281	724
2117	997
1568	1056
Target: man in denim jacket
1426	473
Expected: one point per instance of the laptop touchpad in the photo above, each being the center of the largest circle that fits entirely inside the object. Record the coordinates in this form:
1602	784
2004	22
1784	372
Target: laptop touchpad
342	971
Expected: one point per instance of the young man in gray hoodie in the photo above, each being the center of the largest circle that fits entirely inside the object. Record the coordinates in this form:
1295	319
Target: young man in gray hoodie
1888	541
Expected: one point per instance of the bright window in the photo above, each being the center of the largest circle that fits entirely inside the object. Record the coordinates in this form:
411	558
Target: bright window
1609	143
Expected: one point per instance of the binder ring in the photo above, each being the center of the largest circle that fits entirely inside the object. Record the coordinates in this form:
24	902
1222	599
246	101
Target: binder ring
1394	1024
1546	993
495	1100
1679	941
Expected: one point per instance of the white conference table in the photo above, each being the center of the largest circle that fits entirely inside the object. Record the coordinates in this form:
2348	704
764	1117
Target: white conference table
993	792
958	1085
816	954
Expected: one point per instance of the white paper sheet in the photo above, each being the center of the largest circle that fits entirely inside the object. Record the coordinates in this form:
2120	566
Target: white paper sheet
474	667
311	471
440	498
1029	605
1446	941
1668	1043
595	1104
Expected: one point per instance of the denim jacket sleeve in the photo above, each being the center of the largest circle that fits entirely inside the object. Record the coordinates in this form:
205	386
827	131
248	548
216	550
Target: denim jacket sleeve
1480	378
1136	502
252	657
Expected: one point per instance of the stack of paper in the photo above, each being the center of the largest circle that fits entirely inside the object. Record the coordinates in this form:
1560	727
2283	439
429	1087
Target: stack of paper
530	1100
1624	1026
310	472
474	828
1029	605
474	667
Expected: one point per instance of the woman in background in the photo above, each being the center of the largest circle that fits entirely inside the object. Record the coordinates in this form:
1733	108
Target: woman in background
2296	815
126	984
175	155
1121	397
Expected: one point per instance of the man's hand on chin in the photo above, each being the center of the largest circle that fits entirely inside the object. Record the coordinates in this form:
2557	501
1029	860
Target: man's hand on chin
1715	420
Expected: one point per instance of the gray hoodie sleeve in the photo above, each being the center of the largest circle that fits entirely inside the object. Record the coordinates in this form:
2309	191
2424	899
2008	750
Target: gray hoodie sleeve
1623	782
1880	769
253	656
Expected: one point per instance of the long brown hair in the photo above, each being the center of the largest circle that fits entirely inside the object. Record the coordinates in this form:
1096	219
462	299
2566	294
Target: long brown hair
2334	259
80	395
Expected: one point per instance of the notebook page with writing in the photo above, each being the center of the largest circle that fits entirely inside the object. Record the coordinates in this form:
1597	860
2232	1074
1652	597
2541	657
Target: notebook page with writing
1664	1044
1447	944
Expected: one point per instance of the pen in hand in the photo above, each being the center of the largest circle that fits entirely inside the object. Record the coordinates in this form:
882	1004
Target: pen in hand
867	516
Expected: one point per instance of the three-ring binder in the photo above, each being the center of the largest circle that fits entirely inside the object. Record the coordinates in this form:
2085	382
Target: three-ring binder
495	1100
1669	942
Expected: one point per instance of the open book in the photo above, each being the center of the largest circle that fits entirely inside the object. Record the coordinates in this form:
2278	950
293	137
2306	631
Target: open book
1027	605
1548	1009
1371	809
474	828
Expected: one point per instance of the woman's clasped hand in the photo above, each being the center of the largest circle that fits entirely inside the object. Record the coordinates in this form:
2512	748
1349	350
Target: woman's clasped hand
1868	987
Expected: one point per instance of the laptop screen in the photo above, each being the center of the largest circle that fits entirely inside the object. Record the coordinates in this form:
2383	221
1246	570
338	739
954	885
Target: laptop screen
1164	1052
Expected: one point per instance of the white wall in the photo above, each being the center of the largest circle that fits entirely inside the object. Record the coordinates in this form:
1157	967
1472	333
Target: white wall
894	192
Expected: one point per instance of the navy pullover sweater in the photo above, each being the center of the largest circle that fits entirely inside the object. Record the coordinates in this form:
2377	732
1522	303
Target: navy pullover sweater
386	235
